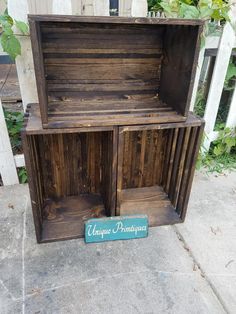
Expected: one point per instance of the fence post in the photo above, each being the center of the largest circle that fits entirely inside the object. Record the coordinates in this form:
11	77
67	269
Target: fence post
139	8
125	7
101	7
217	82
231	119
19	9
7	163
61	7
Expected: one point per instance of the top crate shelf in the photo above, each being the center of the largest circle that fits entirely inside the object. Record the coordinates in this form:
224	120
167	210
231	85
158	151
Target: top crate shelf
97	71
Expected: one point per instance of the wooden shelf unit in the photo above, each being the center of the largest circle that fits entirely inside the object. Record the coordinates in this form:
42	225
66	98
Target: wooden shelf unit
79	173
156	164
97	71
72	176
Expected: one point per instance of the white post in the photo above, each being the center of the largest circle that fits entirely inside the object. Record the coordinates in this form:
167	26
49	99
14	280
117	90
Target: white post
101	7
87	7
62	7
18	9
139	8
125	7
231	119
222	60
3	5
7	163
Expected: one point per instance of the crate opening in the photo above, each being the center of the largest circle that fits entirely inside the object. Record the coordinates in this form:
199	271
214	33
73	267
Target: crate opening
155	172
124	73
73	181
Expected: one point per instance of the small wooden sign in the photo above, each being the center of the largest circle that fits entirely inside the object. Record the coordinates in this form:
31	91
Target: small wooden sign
116	228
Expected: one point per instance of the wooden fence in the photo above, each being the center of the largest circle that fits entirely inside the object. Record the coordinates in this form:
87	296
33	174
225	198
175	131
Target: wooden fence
19	9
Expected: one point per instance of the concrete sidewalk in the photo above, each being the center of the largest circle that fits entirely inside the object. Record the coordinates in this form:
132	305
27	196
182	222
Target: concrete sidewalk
187	268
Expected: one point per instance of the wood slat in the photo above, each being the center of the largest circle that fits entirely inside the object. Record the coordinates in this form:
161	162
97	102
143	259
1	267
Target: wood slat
105	71
152	201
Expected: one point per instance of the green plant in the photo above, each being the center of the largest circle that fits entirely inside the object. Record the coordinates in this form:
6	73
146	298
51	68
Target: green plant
211	10
9	41
193	9
226	140
22	174
222	153
200	102
230	76
14	121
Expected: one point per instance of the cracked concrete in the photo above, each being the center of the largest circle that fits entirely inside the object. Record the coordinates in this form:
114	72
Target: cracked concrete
187	268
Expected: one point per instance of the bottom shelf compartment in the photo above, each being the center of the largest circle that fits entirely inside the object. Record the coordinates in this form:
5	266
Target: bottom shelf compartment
70	180
64	218
151	201
155	170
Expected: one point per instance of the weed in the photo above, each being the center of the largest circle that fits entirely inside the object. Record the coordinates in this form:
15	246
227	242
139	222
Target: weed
14	122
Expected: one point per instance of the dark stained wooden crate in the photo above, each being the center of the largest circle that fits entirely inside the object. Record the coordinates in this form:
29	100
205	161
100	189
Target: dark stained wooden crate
71	176
156	164
97	71
79	173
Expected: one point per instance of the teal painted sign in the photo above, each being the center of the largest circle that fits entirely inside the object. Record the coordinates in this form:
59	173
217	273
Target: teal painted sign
116	228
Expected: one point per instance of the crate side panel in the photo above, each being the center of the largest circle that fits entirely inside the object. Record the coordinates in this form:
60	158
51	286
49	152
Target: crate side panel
180	45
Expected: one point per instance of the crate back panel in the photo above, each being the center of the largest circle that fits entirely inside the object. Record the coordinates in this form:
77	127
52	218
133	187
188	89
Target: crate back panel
113	73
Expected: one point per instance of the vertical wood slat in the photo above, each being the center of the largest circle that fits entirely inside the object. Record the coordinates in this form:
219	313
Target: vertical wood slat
180	170
7	163
167	159
191	171
120	169
186	171
39	67
27	145
113	193
176	163
171	160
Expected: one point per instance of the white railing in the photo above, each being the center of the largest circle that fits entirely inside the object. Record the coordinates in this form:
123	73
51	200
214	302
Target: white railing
19	9
224	46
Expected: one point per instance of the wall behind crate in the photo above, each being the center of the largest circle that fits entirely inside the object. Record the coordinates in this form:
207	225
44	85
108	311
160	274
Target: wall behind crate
19	9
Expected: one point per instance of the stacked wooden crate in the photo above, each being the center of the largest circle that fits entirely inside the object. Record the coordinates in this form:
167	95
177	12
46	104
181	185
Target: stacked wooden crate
112	133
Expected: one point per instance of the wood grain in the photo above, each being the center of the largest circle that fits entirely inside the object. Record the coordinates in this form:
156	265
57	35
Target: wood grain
82	61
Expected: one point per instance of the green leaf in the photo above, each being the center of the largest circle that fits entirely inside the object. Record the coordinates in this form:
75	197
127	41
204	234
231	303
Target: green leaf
6	20
219	150
8	31
188	11
11	45
205	13
23	27
204	3
230	142
166	7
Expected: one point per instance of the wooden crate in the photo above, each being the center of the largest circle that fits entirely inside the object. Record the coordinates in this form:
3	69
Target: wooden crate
96	71
72	177
79	173
156	164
